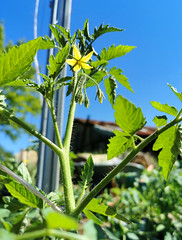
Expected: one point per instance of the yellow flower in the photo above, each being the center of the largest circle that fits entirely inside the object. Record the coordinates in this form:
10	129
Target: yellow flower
78	61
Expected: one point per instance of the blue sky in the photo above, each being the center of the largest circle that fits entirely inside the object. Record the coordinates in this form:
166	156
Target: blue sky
154	27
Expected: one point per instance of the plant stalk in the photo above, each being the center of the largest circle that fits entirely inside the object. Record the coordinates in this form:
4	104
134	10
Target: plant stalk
64	156
29	187
33	132
118	168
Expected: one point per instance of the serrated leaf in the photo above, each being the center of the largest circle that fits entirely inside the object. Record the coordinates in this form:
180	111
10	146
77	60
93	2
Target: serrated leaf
95	206
64	31
102	29
87	173
168	142
99	63
110	86
47	43
118	144
127	116
85	31
57	63
23	195
24	173
165	108
91	216
17	61
117	74
179	95
160	121
57	220
114	52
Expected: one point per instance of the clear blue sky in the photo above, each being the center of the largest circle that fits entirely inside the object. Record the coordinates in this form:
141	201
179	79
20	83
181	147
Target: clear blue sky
154	27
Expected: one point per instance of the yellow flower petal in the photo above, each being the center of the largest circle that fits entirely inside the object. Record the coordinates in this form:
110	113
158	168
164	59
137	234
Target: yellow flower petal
71	62
85	65
87	57
76	53
77	68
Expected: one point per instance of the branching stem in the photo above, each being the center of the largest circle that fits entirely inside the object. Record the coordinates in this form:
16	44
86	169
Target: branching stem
118	168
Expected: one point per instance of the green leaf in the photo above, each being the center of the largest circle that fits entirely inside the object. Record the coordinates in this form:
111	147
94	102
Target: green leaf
102	29
17	61
57	63
95	206
85	31
99	63
47	43
24	173
179	95
23	195
98	77
118	144
110	85
57	220
160	121
169	141
117	74
92	217
129	118
18	83
87	173
114	52
165	108
64	31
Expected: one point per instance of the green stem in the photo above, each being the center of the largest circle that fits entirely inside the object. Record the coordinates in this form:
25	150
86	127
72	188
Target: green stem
71	115
29	187
33	132
50	232
118	168
51	108
64	157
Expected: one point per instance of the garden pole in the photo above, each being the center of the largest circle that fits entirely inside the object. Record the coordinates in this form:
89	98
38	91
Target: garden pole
48	173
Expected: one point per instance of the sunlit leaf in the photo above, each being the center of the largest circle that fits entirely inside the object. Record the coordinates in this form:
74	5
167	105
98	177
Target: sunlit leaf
160	121
127	116
18	191
5	235
114	52
165	108
24	173
169	143
117	74
17	60
118	144
57	64
47	43
179	95
102	29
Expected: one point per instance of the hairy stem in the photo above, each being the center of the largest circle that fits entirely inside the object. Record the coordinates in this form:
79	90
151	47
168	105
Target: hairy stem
29	187
64	156
118	168
33	132
51	108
